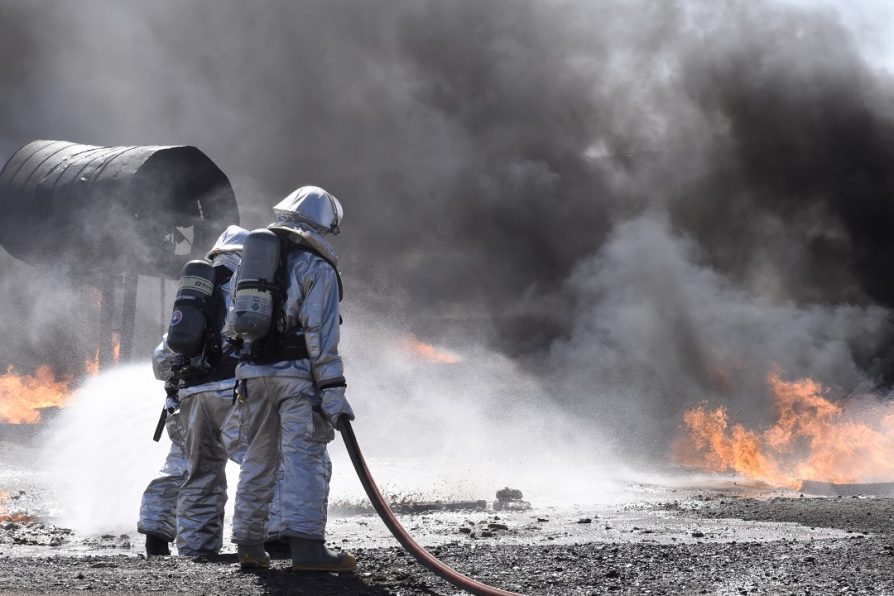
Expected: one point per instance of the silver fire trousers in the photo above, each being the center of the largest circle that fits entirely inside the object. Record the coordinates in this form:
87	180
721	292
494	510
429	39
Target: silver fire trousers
284	478
203	494
158	508
187	500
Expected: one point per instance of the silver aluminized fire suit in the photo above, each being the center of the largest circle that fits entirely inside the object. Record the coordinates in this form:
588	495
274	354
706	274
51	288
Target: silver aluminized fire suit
191	492
158	508
282	407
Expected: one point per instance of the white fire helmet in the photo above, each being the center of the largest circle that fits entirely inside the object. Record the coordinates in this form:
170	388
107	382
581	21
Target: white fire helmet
310	205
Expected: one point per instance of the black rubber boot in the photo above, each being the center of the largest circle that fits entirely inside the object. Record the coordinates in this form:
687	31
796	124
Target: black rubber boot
157	546
278	549
252	556
312	555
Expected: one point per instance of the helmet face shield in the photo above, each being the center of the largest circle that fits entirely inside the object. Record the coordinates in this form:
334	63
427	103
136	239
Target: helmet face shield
230	260
310	205
339	214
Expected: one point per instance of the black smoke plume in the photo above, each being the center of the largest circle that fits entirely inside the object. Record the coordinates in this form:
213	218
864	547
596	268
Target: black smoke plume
644	204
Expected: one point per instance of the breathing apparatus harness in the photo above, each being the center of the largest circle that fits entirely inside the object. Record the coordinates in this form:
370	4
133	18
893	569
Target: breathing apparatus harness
277	345
216	362
281	344
201	357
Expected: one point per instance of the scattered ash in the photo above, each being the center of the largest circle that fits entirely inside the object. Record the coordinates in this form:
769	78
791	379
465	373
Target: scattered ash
22	530
695	544
344	508
122	541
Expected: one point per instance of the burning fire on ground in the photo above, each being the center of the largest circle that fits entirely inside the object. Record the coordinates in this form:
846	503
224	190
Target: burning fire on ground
428	352
23	396
116	346
813	438
92	366
12	517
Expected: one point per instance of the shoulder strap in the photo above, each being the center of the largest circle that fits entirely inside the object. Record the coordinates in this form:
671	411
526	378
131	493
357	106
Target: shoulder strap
288	246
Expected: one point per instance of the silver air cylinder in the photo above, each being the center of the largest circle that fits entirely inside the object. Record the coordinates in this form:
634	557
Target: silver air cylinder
255	286
186	332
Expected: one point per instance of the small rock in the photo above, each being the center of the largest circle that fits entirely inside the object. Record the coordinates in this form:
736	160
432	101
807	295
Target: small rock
465	530
613	573
585	520
698	534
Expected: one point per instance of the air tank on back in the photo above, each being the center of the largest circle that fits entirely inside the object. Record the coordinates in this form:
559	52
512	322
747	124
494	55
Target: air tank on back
186	332
255	286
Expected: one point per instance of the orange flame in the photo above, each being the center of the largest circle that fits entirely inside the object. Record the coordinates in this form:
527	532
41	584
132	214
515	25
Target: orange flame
92	366
428	352
116	346
812	439
22	396
12	517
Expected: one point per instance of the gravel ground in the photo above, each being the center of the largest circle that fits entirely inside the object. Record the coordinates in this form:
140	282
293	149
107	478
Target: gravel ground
789	558
729	539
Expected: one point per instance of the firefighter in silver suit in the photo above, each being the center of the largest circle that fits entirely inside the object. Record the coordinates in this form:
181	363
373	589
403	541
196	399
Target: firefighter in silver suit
293	395
187	500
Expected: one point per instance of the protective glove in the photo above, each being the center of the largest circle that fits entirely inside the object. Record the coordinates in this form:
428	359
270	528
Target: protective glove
172	401
335	404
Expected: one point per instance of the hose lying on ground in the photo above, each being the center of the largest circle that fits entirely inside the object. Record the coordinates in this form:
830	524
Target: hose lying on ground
425	558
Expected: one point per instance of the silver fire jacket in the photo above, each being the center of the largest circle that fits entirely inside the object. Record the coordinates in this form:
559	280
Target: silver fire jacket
312	294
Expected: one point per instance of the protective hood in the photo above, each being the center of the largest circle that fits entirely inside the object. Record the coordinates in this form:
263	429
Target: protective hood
313	206
227	251
232	240
305	235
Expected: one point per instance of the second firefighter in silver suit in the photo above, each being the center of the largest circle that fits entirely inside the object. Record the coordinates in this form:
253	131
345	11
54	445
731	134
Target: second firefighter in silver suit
204	402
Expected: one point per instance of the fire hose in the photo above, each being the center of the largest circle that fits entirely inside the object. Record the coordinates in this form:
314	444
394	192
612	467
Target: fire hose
425	558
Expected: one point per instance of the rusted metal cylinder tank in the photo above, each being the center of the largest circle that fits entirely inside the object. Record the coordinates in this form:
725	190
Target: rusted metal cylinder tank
146	209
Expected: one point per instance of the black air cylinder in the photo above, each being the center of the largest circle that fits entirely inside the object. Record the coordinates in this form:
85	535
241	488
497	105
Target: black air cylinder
255	285
189	319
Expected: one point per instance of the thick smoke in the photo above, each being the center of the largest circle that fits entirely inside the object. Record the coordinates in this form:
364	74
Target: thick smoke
643	204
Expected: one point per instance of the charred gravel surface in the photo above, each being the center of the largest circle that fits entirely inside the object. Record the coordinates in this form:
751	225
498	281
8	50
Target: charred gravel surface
861	562
854	514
